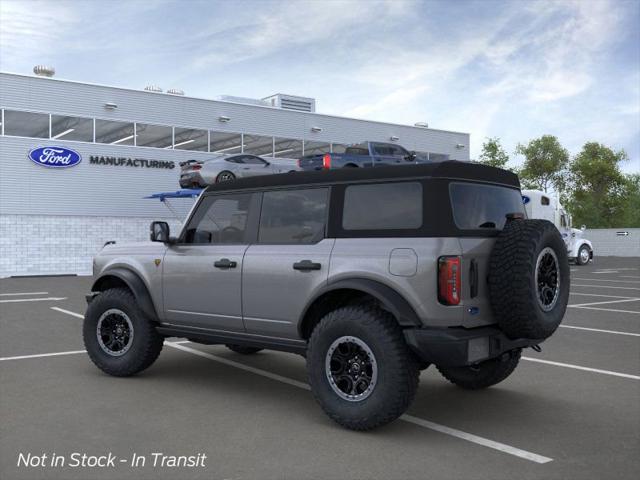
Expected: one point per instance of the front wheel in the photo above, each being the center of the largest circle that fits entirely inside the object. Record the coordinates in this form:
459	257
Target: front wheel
119	338
360	369
583	255
484	374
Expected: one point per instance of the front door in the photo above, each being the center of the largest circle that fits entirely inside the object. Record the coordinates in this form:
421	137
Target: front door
202	273
289	262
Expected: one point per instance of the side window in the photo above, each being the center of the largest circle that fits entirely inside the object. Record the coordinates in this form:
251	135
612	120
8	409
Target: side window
293	216
381	149
234	160
563	221
253	160
544	200
398	151
383	206
219	219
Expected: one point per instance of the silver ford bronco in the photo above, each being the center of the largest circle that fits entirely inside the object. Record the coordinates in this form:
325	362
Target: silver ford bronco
372	274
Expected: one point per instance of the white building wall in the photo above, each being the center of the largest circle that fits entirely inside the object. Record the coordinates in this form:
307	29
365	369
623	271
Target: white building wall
64	244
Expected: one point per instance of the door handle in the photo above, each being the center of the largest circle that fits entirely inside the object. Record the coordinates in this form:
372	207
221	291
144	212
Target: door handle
473	279
224	263
305	265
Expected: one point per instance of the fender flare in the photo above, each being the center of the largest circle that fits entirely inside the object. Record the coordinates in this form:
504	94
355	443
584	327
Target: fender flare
135	284
391	300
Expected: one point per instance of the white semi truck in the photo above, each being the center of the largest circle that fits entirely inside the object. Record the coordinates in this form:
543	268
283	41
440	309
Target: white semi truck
541	205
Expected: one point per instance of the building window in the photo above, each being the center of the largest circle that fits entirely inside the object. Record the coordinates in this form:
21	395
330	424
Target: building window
316	148
114	133
157	136
438	157
258	145
26	124
225	143
287	148
72	128
383	206
191	139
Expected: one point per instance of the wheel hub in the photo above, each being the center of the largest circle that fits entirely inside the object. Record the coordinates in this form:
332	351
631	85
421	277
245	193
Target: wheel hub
351	368
114	332
547	279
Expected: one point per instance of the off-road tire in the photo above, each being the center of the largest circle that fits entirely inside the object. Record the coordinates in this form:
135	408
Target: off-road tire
485	374
243	349
145	345
512	279
579	257
397	369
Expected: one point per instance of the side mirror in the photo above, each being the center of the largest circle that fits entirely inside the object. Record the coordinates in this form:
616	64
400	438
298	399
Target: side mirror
159	232
411	157
266	164
583	228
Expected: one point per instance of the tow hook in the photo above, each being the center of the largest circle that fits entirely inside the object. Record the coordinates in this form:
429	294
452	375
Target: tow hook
536	348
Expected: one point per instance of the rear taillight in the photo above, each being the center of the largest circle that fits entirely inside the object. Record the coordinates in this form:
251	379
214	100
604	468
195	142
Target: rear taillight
449	280
299	162
326	160
196	167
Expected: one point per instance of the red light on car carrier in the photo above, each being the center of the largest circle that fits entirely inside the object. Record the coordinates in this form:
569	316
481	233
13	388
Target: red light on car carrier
449	280
326	160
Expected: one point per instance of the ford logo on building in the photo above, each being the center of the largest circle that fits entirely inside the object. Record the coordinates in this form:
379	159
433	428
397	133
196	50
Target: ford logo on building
525	199
55	157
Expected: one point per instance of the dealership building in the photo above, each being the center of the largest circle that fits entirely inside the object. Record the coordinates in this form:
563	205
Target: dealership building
77	159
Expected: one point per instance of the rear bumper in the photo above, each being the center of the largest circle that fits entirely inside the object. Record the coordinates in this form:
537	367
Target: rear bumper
190	179
454	347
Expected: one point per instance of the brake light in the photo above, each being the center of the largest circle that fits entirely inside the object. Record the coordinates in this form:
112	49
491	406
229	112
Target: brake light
326	160
449	280
196	167
299	162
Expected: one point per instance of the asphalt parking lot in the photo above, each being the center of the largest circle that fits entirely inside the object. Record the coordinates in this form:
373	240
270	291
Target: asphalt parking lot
571	411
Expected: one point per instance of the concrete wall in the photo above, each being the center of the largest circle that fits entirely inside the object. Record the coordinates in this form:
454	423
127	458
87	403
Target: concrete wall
607	242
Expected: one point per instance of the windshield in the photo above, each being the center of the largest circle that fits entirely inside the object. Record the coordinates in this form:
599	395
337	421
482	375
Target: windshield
478	206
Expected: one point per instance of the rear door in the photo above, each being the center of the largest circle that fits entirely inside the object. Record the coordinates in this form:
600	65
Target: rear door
387	154
479	210
288	263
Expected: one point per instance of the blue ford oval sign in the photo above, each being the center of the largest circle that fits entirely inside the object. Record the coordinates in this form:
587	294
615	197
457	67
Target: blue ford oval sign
525	199
55	157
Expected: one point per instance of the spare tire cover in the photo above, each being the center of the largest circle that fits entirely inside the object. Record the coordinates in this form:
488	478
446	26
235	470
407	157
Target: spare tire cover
529	279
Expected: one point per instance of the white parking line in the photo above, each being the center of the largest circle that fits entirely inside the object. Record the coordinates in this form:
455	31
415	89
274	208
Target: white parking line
62	310
632	299
605	286
407	418
607	271
605	280
610	310
600	330
580	367
47	299
41	355
629	276
23	293
597	295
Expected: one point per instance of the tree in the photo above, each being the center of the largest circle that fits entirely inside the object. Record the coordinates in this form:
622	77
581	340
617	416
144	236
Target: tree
545	163
493	154
599	192
630	217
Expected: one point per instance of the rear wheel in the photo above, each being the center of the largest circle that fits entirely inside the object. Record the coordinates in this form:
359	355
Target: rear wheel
119	338
225	176
244	350
583	255
485	374
360	369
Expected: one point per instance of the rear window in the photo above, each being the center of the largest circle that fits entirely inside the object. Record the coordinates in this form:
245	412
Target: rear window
477	206
383	206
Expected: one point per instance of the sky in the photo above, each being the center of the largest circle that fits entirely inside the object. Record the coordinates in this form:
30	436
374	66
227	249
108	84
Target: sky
514	70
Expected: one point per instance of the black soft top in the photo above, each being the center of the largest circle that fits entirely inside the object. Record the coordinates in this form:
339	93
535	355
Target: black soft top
450	169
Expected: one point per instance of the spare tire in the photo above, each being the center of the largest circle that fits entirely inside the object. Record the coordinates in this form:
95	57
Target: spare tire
529	279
